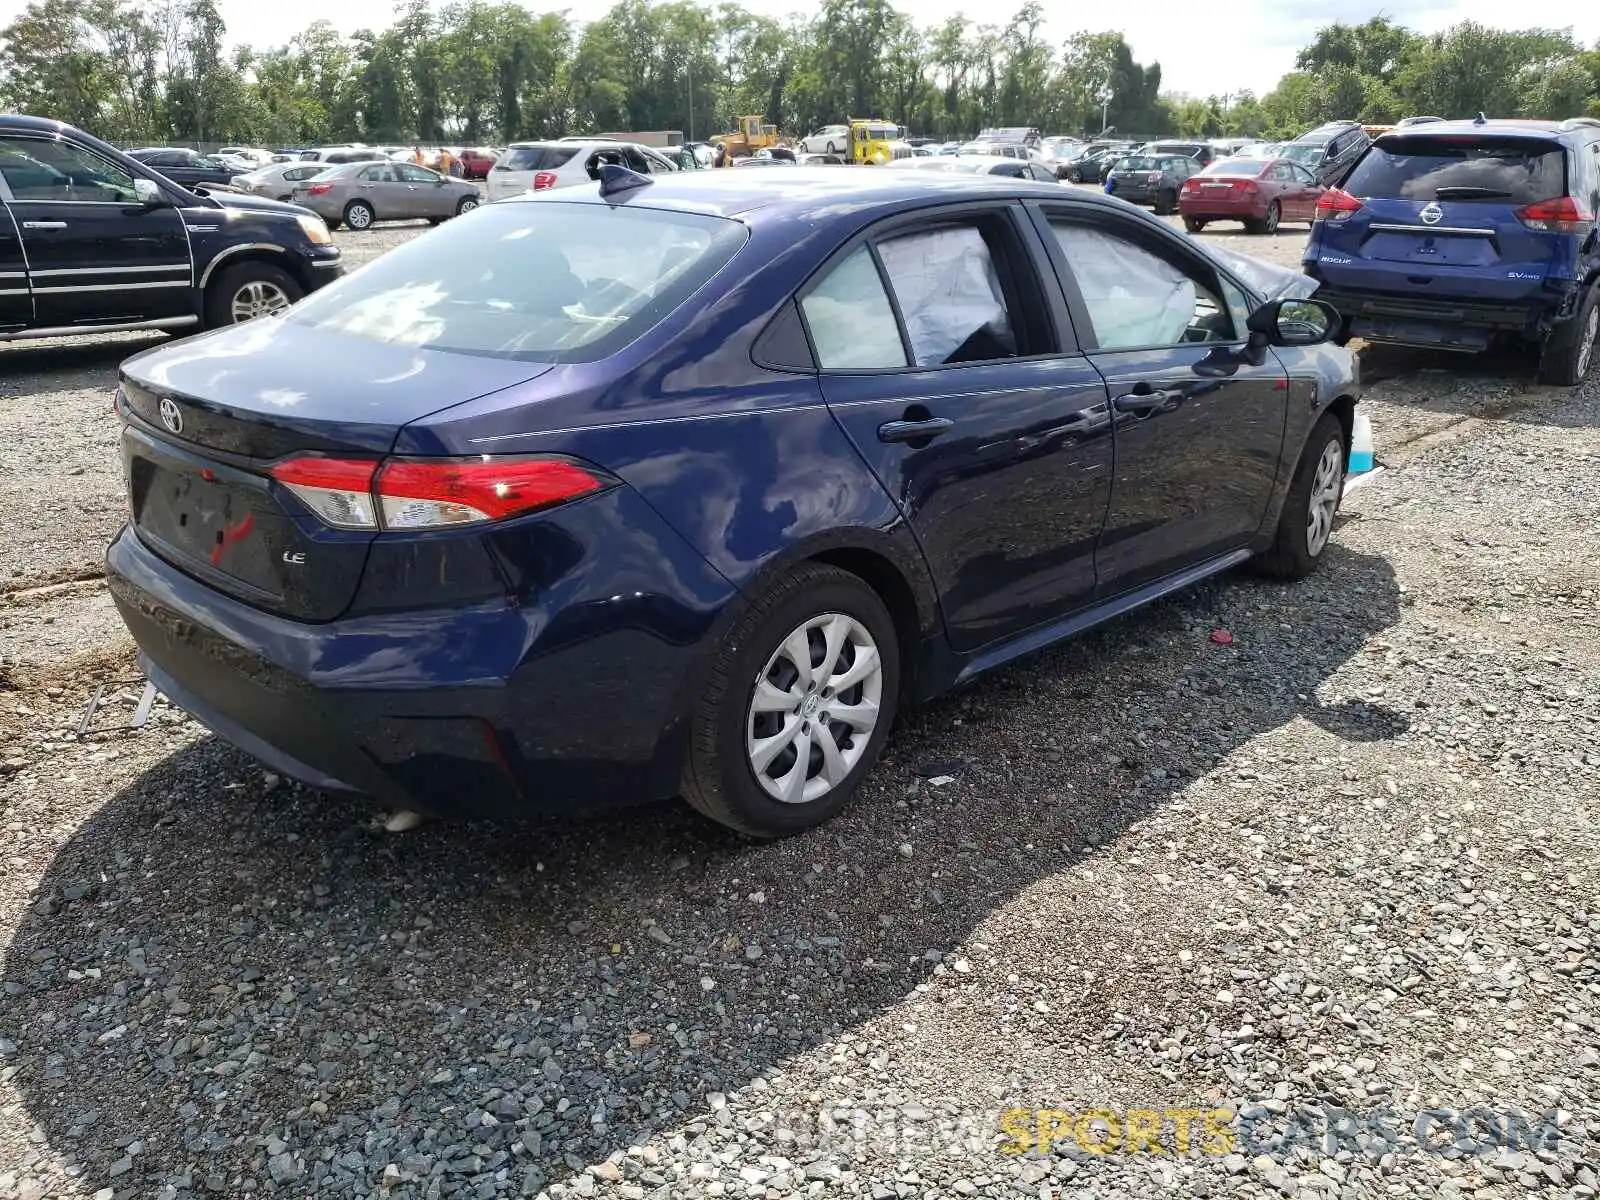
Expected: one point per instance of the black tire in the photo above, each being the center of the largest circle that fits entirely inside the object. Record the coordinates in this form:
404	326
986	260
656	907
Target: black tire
1274	215
719	779
286	199
1291	556
1194	224
467	204
222	291
1570	353
832	149
1166	203
358	214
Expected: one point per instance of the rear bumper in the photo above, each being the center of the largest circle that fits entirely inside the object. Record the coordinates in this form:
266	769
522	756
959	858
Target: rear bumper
1452	322
1220	208
500	709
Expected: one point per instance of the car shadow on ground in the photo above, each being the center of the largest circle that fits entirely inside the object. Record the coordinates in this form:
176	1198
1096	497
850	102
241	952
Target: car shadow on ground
66	358
208	951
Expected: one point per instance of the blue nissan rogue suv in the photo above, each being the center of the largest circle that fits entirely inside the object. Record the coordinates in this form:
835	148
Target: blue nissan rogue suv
1462	234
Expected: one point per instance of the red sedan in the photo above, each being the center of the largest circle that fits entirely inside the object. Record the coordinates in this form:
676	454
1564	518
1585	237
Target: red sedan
1259	192
475	163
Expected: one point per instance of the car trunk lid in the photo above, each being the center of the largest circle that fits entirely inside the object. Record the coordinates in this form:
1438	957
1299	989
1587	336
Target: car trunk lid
206	427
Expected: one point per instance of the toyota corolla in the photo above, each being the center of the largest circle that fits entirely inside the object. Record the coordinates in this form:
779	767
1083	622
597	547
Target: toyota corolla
684	485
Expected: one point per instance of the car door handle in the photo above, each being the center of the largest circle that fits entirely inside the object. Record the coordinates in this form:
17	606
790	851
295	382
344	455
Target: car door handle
44	224
914	431
1147	400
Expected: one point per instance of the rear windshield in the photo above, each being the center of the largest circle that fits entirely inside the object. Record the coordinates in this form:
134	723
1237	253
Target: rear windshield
1235	166
541	281
1502	170
1139	162
1188	149
537	158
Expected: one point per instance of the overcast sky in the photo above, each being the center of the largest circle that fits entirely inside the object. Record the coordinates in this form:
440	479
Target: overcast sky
1202	50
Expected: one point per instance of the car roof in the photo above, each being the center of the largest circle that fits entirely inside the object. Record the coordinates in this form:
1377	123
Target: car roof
815	194
1521	128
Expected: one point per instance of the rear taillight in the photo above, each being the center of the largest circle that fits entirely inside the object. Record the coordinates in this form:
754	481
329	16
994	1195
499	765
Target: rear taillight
543	179
338	490
1562	215
321	189
1337	205
419	493
1191	184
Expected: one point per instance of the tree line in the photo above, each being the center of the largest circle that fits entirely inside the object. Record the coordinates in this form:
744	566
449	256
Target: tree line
161	71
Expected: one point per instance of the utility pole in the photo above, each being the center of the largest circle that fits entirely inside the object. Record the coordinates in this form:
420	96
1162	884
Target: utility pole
689	66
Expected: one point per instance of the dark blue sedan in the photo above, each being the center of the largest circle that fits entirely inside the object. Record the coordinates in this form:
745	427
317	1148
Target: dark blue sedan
683	485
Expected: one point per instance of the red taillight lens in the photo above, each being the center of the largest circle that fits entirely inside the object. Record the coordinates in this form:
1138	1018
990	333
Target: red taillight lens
422	493
1191	184
543	179
1336	205
338	490
321	189
1562	215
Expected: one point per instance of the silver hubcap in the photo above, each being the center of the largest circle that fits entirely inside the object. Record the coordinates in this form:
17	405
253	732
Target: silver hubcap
258	298
359	218
1325	487
814	708
1272	218
468	205
1591	334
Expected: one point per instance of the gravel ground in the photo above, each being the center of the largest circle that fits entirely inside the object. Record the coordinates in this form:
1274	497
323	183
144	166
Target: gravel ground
1348	860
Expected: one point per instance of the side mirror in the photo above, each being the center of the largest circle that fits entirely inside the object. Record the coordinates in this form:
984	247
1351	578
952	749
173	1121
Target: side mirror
148	191
1294	323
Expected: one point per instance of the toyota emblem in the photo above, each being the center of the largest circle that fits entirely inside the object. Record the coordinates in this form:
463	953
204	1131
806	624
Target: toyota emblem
171	415
1431	215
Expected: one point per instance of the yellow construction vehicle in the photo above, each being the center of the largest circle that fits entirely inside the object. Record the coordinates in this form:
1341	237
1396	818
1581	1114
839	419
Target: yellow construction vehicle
752	135
876	142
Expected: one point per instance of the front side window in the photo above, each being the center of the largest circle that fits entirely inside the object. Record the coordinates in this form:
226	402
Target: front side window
411	173
1136	298
53	169
851	321
533	281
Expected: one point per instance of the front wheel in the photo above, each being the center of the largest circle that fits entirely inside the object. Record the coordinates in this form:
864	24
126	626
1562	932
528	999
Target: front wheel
1571	351
1308	510
832	149
1274	215
468	203
247	291
358	214
797	706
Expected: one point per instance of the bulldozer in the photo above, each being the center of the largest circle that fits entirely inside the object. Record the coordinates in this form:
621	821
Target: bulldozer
751	136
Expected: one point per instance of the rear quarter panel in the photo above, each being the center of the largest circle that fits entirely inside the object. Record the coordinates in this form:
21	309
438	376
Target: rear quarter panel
746	463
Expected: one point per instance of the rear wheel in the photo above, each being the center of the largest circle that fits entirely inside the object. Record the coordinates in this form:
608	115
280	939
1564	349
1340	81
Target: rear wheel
286	199
358	214
1306	522
1166	203
1193	224
797	706
247	291
1571	351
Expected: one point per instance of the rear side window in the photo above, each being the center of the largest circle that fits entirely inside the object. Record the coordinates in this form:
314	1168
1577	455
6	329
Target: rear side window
1502	170
536	281
851	321
950	296
537	158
